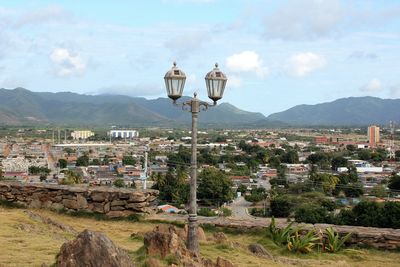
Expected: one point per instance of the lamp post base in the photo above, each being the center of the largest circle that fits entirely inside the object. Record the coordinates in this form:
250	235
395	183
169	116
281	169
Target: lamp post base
192	239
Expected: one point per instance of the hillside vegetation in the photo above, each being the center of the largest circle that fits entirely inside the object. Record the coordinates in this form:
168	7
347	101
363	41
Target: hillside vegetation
27	241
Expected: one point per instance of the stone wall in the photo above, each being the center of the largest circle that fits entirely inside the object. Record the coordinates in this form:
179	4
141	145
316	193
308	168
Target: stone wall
114	202
380	238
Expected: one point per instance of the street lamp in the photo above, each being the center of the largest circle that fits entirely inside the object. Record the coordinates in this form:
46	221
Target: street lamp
174	83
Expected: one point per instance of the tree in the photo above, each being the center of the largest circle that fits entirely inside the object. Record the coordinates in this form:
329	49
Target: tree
62	163
215	187
82	161
351	147
280	206
95	162
242	188
364	154
290	157
71	177
128	160
119	183
394	182
378	191
397	155
338	161
173	186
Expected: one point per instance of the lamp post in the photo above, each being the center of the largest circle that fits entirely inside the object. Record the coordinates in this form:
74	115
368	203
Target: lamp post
174	83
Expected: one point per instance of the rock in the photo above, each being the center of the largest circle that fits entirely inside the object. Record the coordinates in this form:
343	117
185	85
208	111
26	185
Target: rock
118	203
57	206
221	262
92	249
200	233
162	242
70	204
137	197
260	251
35	204
220	237
81	202
98	196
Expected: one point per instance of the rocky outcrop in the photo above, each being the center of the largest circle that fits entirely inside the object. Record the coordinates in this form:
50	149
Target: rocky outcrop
92	249
165	241
114	202
260	251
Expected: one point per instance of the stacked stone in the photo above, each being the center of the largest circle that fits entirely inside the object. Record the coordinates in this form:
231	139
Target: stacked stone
114	202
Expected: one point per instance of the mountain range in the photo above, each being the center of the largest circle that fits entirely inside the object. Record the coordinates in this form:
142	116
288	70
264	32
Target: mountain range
351	111
23	107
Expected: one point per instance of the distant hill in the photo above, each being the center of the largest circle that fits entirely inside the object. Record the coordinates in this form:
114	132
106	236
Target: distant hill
357	111
23	107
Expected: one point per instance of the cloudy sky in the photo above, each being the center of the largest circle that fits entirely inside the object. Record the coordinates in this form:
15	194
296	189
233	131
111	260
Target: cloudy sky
276	54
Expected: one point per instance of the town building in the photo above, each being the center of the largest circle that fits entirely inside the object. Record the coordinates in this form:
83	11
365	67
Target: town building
76	135
373	135
124	134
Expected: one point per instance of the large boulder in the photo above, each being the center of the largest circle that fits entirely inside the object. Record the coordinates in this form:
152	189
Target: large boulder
260	251
92	249
162	241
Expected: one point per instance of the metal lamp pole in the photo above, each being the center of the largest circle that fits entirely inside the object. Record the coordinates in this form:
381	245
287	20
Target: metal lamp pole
175	82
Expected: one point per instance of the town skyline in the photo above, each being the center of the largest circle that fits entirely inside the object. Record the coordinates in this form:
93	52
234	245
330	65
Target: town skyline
347	49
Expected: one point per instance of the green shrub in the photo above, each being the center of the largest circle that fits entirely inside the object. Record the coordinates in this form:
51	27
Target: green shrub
225	212
333	241
312	214
302	243
281	206
205	212
260	212
279	236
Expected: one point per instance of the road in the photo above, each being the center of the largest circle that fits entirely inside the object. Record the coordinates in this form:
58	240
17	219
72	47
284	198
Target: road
239	208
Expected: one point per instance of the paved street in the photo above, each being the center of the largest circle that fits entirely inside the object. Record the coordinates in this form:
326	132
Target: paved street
239	208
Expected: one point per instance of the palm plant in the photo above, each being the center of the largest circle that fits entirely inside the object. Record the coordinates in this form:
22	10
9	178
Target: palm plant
279	236
302	243
333	241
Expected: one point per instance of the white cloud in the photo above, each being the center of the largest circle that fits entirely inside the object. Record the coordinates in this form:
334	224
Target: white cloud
234	81
66	63
304	63
372	86
247	61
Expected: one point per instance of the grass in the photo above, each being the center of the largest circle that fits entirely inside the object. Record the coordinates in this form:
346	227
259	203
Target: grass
25	242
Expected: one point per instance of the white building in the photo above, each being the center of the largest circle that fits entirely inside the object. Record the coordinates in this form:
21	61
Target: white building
126	134
76	135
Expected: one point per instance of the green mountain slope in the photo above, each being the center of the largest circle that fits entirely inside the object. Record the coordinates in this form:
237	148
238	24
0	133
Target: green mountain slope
344	111
21	106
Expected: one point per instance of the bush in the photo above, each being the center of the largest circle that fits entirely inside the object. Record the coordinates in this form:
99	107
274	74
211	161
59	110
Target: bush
329	204
119	183
333	242
367	214
260	212
345	217
302	243
225	212
206	212
312	214
281	207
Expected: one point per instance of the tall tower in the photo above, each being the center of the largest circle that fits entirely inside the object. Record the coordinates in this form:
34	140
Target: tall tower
373	135
391	141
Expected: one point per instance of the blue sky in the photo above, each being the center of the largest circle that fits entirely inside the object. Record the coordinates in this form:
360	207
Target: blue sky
276	54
